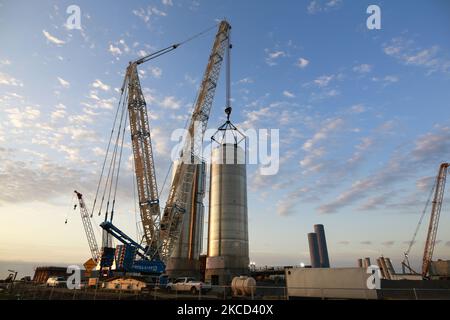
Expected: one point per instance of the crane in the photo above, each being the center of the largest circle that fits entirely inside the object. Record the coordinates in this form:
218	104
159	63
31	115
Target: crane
438	197
90	235
434	218
160	233
191	153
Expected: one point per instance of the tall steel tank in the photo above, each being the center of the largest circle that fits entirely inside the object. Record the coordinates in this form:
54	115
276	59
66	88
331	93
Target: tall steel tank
184	261
314	250
228	250
322	242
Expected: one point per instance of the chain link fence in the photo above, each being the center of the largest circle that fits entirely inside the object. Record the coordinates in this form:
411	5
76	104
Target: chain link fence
30	291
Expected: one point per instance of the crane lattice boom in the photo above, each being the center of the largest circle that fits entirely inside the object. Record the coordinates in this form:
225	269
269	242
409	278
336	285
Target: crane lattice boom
143	158
179	193
434	218
88	228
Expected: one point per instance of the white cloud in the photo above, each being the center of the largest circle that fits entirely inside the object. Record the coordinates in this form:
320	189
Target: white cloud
246	80
100	85
408	53
53	39
22	118
58	114
323	81
9	80
141	13
288	94
272	56
167	2
5	62
302	63
115	51
389	79
330	126
317	6
358	108
64	83
156	72
145	14
426	151
157	12
170	103
363	68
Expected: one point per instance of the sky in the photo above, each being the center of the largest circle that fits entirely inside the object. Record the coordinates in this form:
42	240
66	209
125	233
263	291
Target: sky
363	118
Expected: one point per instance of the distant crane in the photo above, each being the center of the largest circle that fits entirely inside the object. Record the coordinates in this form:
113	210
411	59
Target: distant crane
438	189
434	219
90	235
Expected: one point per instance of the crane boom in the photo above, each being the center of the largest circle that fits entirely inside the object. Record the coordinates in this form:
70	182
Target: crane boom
88	228
434	218
143	157
172	217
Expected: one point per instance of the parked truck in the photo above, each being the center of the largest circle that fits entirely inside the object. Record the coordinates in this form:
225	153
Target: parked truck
187	284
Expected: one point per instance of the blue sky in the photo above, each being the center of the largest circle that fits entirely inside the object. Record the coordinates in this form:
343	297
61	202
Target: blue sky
363	116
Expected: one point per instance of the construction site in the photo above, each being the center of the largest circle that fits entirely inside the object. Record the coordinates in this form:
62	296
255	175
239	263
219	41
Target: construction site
168	259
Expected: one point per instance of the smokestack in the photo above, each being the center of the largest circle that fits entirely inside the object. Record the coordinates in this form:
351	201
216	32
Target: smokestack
314	250
322	242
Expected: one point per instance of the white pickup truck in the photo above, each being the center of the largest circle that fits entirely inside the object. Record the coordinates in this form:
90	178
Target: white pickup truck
186	284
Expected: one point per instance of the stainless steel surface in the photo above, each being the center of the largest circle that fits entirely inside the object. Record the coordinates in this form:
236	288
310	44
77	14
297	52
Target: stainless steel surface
228	251
322	242
184	260
314	250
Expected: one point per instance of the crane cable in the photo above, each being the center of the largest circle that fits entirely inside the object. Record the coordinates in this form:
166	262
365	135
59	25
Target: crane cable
420	222
106	155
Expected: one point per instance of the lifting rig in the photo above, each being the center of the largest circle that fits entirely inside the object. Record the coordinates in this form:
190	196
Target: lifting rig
430	243
161	233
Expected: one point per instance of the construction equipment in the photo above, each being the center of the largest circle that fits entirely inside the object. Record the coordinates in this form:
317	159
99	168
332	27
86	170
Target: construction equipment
159	233
438	189
90	235
191	153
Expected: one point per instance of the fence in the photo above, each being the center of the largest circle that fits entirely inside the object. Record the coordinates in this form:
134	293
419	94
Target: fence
28	291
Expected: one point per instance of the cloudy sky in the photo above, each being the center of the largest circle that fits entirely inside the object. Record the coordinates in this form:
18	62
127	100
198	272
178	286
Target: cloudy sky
363	115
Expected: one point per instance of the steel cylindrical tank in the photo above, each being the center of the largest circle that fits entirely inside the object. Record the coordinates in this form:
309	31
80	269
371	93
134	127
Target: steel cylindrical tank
228	251
243	286
314	250
322	242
